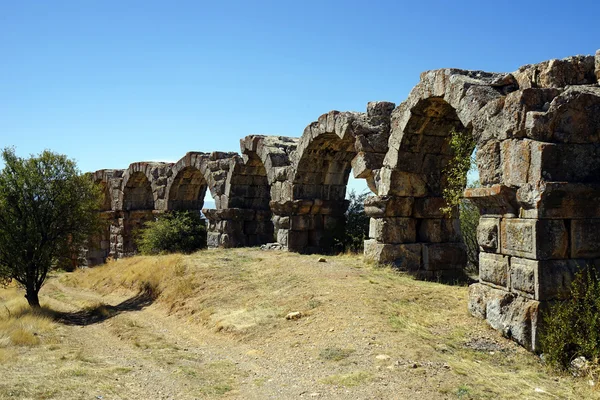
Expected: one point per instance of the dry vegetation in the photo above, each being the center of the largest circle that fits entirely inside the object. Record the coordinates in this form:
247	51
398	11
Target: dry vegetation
213	324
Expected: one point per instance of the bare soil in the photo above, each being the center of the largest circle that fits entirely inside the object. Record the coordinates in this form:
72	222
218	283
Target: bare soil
218	329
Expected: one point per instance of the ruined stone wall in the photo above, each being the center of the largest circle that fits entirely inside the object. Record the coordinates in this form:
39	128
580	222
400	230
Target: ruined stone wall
537	134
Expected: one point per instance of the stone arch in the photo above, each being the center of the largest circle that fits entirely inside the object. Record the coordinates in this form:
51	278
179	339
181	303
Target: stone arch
187	185
142	195
137	193
407	226
312	212
101	245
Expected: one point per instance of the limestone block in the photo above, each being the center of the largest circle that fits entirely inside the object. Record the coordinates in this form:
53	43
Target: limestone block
380	108
282	237
493	200
516	158
404	160
389	206
572	117
301	222
564	162
430	207
400	183
213	239
438	230
511	122
494	268
534	239
597	63
405	256
585	238
544	279
515	316
443	256
559	200
297	240
576	70
489	163
523	276
281	222
488	234
393	230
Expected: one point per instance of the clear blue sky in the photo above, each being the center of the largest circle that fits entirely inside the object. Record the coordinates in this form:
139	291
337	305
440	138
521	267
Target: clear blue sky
113	82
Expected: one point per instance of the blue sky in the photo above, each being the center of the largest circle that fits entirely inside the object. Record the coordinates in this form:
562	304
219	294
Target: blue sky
113	82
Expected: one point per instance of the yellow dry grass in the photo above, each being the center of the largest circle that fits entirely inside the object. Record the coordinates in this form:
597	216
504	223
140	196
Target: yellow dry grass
361	325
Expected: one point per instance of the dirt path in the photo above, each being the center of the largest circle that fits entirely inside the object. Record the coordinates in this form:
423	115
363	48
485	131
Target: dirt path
364	334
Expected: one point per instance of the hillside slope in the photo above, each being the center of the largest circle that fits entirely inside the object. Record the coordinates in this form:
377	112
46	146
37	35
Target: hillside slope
213	324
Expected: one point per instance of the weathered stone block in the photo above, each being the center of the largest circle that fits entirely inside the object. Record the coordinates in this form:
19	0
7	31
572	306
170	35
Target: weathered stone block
493	268
559	200
431	207
516	158
389	206
488	234
523	276
401	183
576	70
597	64
564	162
585	238
301	222
572	117
534	239
406	256
213	239
438	230
515	316
393	230
442	256
494	200
545	279
282	237
297	240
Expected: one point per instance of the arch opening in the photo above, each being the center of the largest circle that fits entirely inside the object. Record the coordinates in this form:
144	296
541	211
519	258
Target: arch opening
137	194
138	208
187	191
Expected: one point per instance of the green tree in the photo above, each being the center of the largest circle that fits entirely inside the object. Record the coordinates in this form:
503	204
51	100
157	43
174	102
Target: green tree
47	213
173	232
356	225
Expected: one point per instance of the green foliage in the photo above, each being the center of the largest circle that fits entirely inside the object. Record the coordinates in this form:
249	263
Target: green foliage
47	213
462	145
356	228
572	326
469	220
173	232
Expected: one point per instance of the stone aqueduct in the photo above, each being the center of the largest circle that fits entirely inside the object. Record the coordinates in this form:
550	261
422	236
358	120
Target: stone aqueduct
538	152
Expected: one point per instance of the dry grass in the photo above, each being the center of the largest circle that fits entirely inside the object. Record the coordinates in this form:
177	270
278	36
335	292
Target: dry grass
352	312
19	324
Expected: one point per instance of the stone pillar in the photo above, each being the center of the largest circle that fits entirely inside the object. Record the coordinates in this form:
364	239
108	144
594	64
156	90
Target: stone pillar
99	248
131	223
412	233
528	258
237	227
309	226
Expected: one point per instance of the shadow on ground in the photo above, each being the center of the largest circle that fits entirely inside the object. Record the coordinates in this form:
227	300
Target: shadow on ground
102	312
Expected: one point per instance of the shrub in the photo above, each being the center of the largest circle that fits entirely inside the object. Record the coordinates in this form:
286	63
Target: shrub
356	228
462	145
173	232
469	220
572	326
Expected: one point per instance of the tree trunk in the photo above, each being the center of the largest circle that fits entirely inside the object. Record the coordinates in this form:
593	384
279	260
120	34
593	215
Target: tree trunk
32	297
